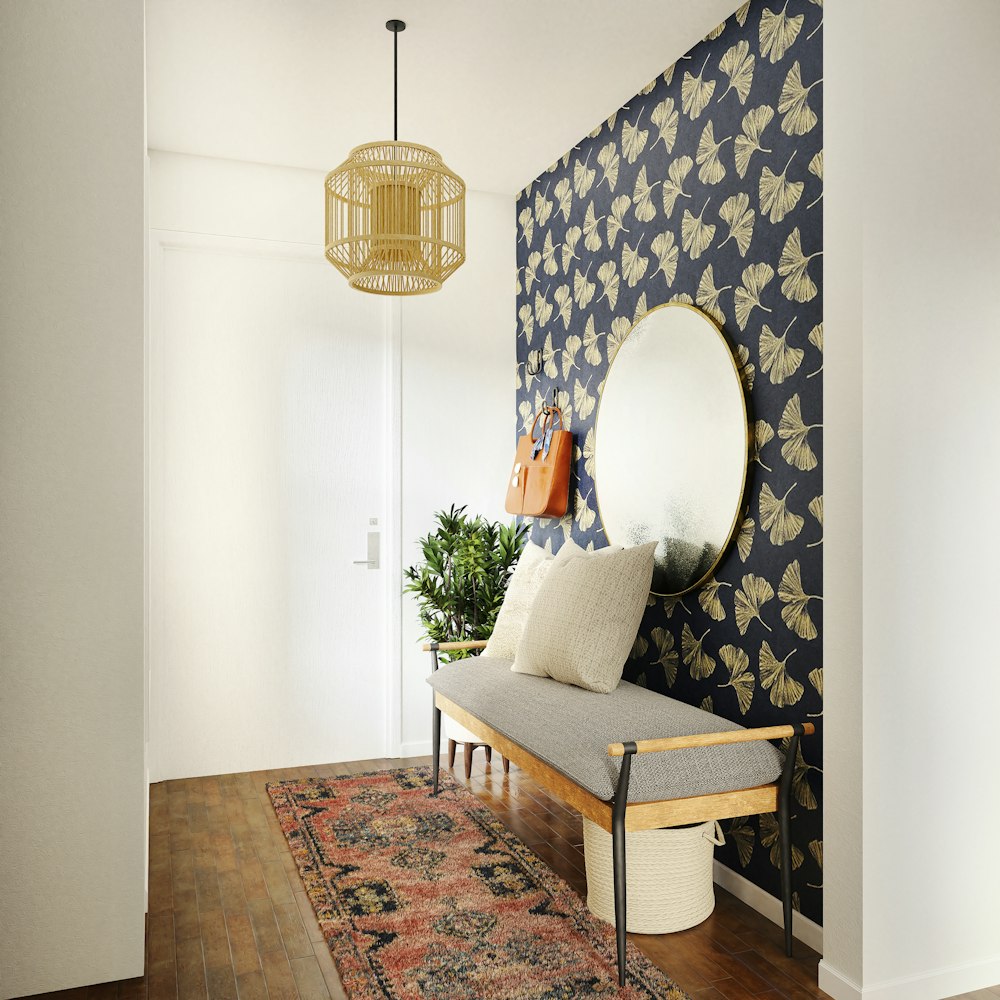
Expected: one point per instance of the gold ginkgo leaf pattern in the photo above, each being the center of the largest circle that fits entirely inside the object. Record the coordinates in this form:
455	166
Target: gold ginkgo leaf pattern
696	92
772	169
747	368
800	778
794	431
667	252
550	264
633	139
744	540
736	211
778	32
747	296
816	169
737	63
778	195
583	177
711	603
782	524
607	275
798	118
741	679
543	308
609	160
664	117
711	169
633	264
793	266
748	141
527	318
698	661
762	434
616	220
592	339
784	689
795	613
673	186
569	253
741	833
639	648
815	507
645	209
696	234
564	300
816	339
591	235
543	207
770	837
666	654
564	198
816	679
583	292
753	594
708	295
583	513
527	223
778	358
583	401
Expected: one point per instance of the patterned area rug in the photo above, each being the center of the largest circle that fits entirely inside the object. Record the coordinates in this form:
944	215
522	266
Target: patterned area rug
434	898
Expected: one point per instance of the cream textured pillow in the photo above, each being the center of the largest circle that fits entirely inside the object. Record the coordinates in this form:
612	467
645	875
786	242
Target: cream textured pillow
531	569
585	618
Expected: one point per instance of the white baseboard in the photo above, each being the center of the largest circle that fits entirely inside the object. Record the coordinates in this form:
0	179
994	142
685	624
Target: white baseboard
806	930
420	748
839	986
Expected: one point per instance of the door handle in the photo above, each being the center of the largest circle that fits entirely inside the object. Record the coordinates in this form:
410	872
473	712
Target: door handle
372	562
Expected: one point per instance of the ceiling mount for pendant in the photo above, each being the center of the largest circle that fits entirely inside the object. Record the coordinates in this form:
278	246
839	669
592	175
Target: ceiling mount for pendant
395	214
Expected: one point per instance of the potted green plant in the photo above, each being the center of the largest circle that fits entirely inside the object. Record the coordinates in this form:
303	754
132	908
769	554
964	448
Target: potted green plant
461	581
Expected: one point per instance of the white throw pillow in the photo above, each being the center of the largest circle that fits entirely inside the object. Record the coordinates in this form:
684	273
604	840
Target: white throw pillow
531	569
585	617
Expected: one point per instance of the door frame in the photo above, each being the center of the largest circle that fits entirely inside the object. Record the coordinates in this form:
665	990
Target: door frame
162	241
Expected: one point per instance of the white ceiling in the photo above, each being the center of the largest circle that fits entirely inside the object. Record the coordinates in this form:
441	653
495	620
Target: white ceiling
500	88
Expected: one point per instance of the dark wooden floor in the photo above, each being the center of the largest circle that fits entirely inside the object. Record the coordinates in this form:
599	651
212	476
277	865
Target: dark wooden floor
229	919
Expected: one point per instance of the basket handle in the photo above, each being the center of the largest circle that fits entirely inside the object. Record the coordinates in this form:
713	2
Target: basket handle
716	836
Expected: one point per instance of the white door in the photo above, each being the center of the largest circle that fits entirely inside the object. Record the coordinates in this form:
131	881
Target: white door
268	454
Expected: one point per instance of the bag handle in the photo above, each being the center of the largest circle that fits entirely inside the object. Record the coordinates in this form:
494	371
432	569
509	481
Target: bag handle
715	836
546	411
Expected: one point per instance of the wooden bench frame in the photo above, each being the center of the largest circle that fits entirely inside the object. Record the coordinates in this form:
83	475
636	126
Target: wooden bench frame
618	815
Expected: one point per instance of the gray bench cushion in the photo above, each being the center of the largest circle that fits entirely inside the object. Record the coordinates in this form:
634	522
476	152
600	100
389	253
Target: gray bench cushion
570	729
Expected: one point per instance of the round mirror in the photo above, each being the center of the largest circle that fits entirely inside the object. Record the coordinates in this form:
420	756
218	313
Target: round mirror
671	445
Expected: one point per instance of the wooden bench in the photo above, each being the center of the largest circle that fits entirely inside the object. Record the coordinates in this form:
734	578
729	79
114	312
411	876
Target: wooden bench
617	814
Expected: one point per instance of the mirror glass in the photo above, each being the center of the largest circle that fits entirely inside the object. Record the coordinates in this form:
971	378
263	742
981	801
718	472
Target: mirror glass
670	456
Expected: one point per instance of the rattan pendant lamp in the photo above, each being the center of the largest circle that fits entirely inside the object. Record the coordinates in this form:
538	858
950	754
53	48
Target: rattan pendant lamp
395	214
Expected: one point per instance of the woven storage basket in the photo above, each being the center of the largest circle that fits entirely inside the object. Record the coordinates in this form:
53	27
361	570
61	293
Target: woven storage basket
668	874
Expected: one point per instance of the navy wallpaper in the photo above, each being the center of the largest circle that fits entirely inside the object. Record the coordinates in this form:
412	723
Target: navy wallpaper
705	188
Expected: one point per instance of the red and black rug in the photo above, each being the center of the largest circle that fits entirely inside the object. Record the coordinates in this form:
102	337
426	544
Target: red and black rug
422	897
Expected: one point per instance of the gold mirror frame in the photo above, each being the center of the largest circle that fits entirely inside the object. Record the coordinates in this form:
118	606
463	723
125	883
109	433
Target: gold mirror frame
741	504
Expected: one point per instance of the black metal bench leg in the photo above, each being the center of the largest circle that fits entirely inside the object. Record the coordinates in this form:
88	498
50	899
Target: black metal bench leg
435	726
618	857
785	832
436	747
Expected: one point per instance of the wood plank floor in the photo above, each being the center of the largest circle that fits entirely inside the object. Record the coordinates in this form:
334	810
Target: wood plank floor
229	919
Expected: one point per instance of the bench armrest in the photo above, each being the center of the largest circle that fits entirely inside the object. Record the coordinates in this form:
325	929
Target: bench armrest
445	647
709	739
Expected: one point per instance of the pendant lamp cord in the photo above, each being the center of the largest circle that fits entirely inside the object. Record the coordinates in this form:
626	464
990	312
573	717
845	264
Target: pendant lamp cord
395	86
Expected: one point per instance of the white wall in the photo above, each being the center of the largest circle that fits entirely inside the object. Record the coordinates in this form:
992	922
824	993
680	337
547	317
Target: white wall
456	359
930	487
71	493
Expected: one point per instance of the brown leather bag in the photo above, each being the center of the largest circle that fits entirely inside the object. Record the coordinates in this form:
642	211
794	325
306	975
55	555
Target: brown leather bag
539	481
